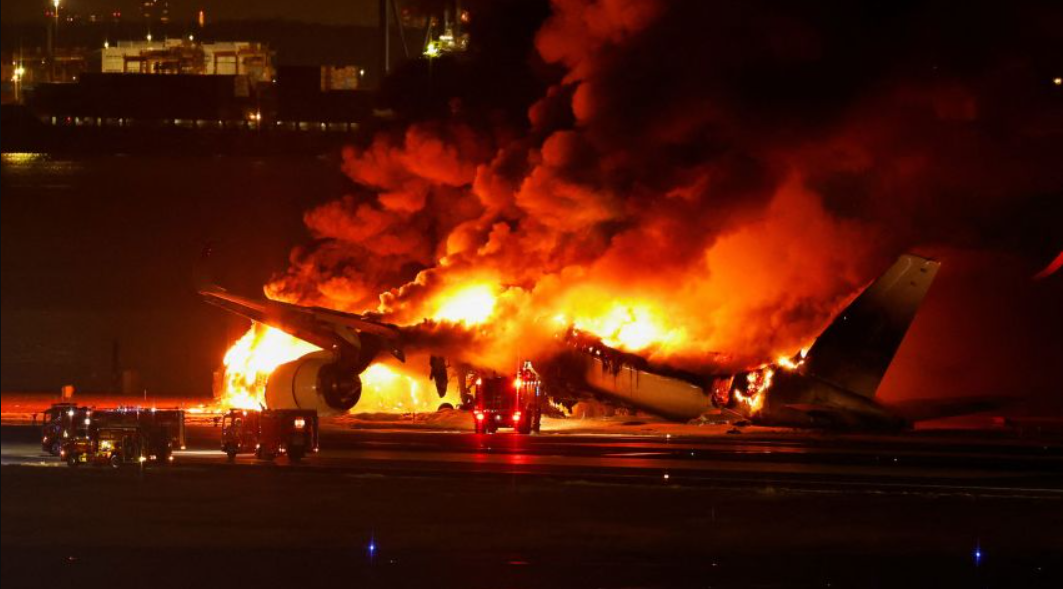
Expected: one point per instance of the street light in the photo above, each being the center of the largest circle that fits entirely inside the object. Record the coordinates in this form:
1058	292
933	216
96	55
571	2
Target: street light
55	37
20	72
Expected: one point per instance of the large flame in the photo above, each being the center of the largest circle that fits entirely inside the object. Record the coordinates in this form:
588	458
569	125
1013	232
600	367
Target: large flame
251	360
253	357
470	304
631	327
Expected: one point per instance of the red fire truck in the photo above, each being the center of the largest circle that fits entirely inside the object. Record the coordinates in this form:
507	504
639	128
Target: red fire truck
124	436
61	422
270	432
501	401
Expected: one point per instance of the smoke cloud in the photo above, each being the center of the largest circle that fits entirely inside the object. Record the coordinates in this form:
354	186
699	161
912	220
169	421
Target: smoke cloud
732	172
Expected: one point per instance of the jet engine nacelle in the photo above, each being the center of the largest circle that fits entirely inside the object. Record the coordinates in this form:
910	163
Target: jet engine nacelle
314	381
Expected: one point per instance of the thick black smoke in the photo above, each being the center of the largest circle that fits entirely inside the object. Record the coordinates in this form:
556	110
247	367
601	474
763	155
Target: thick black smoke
743	167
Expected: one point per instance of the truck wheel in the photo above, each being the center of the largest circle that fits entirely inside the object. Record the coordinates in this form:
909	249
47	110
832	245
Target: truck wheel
72	460
231	454
116	461
56	448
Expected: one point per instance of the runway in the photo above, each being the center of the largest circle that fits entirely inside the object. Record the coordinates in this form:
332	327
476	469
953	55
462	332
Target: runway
383	505
818	462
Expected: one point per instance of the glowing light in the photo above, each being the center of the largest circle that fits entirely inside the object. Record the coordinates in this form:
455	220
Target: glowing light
470	305
1057	81
148	37
757	384
630	327
386	389
431	50
251	360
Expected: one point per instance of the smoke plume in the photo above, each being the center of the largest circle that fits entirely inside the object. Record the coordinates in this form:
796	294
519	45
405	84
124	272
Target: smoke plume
727	173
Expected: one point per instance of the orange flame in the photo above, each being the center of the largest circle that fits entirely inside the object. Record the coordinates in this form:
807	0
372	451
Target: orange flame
471	304
251	360
631	327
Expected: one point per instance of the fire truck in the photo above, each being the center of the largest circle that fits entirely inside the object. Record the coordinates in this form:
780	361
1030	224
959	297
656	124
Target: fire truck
501	401
125	436
269	433
61	421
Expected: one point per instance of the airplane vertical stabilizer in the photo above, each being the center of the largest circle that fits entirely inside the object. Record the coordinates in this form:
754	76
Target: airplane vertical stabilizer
855	350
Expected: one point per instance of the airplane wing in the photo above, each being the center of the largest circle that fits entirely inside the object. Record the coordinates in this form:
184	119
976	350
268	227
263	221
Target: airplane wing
344	334
325	328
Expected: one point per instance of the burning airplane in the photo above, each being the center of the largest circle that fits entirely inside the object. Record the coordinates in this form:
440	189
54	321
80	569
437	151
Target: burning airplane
643	228
833	384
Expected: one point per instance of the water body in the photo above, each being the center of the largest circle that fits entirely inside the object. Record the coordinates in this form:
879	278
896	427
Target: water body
99	257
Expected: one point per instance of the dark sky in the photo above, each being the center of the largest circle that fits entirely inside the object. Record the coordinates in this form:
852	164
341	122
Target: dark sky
357	12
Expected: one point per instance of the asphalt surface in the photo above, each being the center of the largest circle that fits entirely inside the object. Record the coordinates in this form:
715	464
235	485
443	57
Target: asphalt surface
963	464
403	507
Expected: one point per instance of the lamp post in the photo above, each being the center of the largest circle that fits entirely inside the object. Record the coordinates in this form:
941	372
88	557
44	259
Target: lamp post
55	37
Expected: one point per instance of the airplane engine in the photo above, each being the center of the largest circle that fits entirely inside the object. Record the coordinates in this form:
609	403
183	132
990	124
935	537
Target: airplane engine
315	381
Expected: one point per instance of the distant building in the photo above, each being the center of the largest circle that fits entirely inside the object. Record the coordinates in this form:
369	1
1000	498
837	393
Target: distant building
340	77
179	56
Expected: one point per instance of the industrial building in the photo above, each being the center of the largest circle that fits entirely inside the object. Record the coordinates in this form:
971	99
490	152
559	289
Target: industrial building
186	56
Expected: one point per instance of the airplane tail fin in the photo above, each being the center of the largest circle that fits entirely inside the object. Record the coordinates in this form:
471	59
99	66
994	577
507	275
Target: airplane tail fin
856	349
